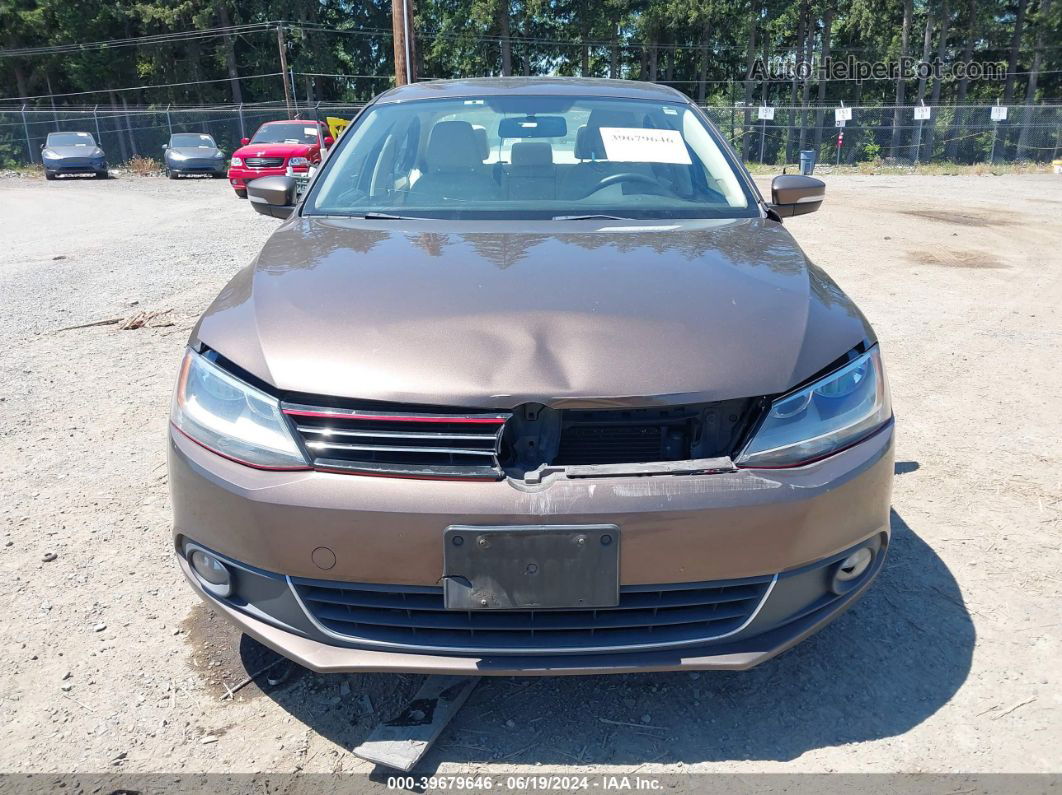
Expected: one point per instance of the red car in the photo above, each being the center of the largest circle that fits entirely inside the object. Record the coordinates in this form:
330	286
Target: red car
276	146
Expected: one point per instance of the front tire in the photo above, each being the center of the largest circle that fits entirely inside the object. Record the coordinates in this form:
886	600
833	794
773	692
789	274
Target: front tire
241	193
49	174
102	175
171	174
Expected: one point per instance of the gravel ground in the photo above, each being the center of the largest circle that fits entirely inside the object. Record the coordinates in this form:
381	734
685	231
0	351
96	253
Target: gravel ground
950	663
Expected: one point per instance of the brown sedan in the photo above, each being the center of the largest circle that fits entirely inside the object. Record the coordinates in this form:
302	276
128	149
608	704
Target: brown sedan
531	380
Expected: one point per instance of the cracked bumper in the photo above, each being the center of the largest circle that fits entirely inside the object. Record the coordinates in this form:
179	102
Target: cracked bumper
795	523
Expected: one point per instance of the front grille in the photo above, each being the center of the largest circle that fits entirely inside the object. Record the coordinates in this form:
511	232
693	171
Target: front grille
263	162
369	437
596	438
410	443
648	616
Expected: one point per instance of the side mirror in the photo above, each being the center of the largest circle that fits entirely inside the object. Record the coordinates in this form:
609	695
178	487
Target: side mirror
329	140
244	141
274	196
42	146
794	194
165	146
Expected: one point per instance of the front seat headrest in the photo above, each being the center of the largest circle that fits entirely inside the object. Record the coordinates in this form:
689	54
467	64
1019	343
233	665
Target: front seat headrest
452	145
481	136
532	153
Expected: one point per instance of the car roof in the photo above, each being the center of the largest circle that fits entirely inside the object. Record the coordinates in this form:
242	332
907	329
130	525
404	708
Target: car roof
291	121
532	86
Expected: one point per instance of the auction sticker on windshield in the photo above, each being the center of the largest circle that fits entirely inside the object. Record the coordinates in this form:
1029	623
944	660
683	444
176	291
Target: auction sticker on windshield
638	145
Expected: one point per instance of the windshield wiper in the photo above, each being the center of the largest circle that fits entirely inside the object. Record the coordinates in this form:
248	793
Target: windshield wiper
591	218
372	216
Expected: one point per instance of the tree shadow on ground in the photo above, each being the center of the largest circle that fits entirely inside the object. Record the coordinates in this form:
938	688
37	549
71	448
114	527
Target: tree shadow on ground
882	668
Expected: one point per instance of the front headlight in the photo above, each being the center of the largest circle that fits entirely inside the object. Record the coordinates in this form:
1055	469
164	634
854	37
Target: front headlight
298	161
219	156
232	418
176	155
50	155
236	162
833	413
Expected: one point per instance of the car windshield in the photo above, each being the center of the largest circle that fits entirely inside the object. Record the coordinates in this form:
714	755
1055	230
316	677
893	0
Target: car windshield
513	157
70	139
295	132
192	140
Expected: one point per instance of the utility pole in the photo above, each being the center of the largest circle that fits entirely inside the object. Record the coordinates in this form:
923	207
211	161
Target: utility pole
282	47
402	26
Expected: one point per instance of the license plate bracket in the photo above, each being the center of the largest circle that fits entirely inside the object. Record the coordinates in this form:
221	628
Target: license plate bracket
531	567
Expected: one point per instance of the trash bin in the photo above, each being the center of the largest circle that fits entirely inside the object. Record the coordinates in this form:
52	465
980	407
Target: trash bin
807	162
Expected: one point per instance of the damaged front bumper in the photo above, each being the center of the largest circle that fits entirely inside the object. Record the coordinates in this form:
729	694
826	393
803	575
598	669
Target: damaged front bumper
775	628
322	560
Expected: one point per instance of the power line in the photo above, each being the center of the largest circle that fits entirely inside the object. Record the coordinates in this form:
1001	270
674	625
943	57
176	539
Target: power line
258	27
136	41
343	76
592	43
139	88
271	105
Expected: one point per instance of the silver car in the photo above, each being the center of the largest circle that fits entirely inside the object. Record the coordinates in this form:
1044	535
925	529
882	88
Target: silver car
193	153
73	153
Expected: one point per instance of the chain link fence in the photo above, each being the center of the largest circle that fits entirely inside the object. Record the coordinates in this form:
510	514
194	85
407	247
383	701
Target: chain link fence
957	134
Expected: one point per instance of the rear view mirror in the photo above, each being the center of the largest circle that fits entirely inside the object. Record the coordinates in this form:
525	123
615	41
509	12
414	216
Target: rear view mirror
794	194
533	127
273	196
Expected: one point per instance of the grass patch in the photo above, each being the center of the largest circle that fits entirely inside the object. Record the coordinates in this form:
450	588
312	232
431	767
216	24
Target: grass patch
23	170
141	166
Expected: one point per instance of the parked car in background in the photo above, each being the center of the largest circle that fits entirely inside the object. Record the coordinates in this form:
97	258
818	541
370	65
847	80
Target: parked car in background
276	147
193	153
562	397
73	153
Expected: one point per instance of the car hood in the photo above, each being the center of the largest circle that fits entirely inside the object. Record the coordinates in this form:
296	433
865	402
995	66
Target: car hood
197	152
274	150
76	151
460	314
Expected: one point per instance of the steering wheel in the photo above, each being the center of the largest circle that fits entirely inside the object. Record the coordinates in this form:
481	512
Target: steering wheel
626	176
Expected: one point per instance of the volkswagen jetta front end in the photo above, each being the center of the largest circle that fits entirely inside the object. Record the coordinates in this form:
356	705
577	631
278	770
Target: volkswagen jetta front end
562	396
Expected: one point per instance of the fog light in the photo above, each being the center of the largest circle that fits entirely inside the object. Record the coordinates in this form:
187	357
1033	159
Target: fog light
213	575
851	569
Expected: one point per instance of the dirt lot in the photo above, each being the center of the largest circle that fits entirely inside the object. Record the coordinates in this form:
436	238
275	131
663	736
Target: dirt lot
950	663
